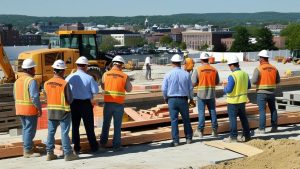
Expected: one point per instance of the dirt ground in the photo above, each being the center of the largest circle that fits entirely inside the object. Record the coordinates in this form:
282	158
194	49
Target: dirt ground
277	154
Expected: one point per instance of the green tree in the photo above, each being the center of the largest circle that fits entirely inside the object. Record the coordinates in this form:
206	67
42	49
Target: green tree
165	40
220	48
108	43
264	40
203	47
292	35
241	40
135	42
182	46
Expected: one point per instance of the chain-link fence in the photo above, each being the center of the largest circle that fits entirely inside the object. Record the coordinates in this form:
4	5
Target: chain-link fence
273	54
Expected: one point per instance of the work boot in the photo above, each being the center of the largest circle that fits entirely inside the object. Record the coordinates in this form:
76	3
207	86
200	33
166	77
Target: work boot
174	144
260	131
117	149
214	133
230	140
71	157
51	156
243	139
274	129
189	141
30	154
198	133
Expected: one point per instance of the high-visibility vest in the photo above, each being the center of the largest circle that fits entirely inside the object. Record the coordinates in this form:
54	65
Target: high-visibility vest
114	86
207	77
267	78
23	103
240	90
56	100
189	63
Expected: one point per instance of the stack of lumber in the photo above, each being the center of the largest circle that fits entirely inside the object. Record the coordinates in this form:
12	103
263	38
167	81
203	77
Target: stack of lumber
8	118
160	114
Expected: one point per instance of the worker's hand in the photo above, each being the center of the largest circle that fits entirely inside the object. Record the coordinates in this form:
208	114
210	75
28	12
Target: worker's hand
192	104
224	83
39	113
166	101
93	102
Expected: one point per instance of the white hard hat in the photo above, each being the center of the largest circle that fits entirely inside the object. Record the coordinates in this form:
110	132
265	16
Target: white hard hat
176	58
59	64
263	53
232	59
82	60
28	63
118	58
204	55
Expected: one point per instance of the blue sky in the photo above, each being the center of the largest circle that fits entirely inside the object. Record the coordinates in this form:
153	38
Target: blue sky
141	7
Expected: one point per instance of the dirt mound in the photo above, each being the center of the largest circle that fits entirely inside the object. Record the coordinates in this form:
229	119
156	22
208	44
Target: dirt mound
277	154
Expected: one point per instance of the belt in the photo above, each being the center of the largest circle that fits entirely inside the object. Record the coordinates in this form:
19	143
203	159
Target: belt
181	97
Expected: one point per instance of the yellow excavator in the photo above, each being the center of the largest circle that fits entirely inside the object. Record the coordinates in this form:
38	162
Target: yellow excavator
73	44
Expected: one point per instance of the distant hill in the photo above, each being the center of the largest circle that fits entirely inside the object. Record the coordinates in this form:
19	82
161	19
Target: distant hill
222	19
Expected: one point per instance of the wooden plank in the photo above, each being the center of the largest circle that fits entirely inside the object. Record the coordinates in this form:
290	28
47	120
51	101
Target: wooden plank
242	148
133	114
216	143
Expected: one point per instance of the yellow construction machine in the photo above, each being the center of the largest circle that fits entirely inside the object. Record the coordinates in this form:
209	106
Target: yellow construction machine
73	44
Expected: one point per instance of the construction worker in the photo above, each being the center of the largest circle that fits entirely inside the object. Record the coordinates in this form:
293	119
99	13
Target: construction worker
177	88
83	87
148	67
114	83
206	78
265	77
188	63
236	89
59	98
28	106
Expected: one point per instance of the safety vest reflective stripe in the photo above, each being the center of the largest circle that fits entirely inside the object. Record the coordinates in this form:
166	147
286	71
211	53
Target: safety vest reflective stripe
57	107
240	90
114	93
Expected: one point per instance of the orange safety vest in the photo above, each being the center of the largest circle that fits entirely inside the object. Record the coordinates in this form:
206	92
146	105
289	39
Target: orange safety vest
114	86
24	105
56	100
207	77
267	78
189	63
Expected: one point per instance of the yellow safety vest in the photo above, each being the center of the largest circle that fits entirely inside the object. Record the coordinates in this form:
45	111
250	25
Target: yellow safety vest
240	90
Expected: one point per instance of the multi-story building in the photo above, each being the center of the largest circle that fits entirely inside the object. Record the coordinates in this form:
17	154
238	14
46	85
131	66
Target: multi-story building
30	39
123	36
194	39
9	36
276	28
227	42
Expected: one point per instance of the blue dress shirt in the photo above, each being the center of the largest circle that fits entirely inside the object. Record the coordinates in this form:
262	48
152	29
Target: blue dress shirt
83	86
177	83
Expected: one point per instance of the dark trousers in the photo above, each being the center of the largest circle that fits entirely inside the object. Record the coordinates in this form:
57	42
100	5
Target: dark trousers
234	111
83	109
148	72
262	100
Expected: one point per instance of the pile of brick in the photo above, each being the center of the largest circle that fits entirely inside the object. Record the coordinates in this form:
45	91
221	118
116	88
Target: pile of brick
8	118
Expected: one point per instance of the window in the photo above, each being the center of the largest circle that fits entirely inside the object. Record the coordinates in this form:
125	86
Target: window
67	41
50	58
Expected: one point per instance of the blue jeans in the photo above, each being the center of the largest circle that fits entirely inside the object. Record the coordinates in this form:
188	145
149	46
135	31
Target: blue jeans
177	105
65	128
262	99
29	124
234	111
115	111
211	106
